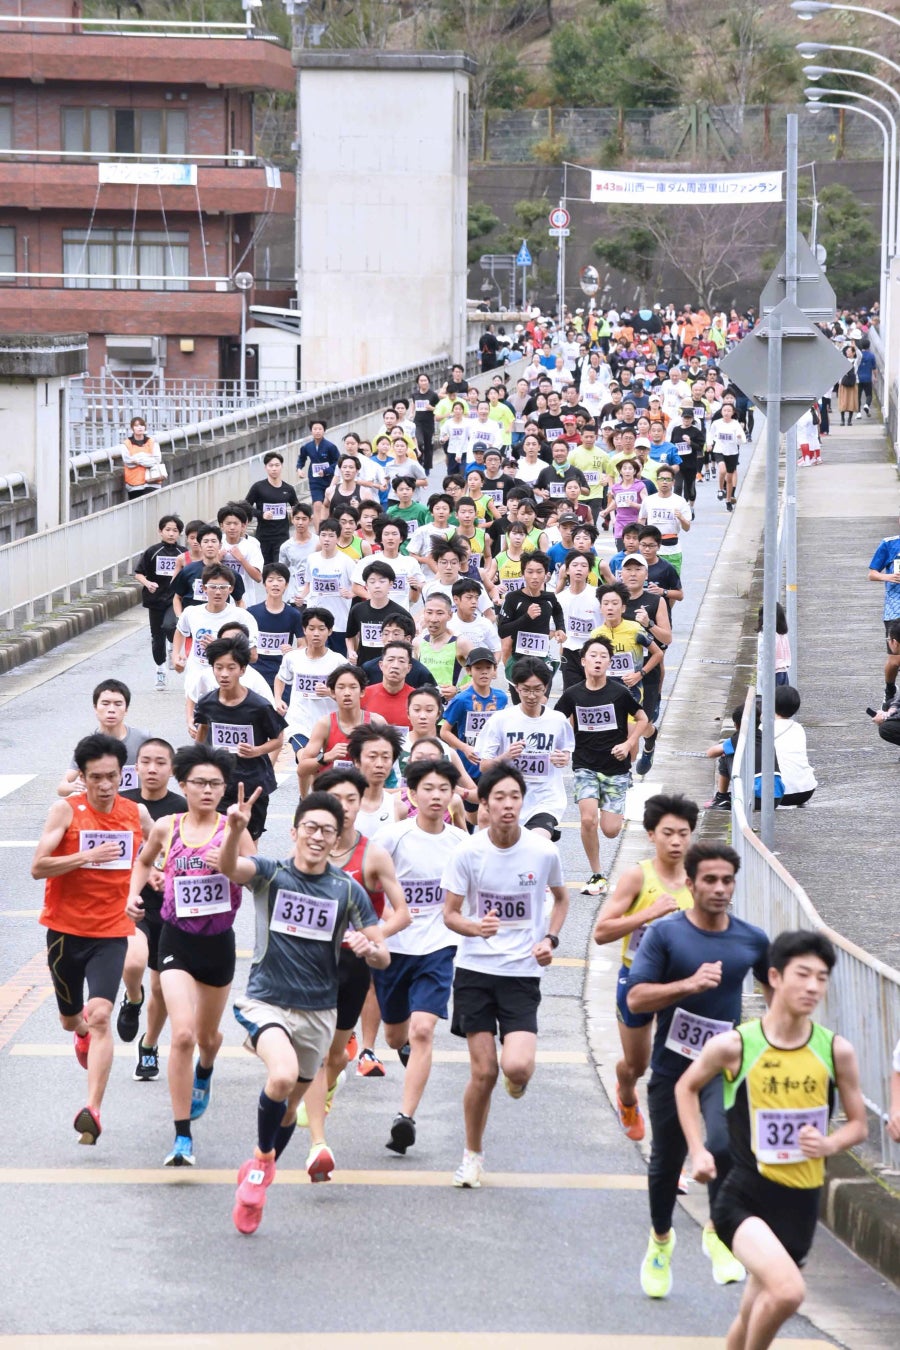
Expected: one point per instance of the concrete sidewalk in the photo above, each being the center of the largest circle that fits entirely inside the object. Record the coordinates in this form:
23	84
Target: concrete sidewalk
839	846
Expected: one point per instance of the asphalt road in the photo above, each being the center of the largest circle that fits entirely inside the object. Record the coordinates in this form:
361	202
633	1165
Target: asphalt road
106	1243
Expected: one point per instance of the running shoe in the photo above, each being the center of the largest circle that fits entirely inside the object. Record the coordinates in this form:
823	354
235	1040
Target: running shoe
162	682
200	1094
403	1133
404	1053
469	1174
182	1154
87	1125
128	1022
254	1178
515	1090
320	1163
369	1065
595	885
729	506
720	495
656	1268
630	1118
644	764
720	802
82	1046
147	1063
726	1269
352	1048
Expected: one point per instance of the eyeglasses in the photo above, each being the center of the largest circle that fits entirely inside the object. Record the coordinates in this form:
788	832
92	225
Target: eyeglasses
211	587
204	782
310	828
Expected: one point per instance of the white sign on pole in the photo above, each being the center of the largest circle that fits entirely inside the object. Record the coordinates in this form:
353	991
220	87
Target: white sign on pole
686	189
163	175
559	234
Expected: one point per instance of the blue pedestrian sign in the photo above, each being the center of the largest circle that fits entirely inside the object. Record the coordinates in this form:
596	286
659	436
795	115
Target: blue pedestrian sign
523	257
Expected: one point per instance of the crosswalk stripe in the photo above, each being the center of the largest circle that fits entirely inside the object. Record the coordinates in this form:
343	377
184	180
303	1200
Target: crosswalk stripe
21	994
399	1176
64	1051
11	782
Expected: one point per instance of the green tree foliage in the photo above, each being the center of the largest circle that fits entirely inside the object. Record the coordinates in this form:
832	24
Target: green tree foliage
845	228
481	222
492	31
618	54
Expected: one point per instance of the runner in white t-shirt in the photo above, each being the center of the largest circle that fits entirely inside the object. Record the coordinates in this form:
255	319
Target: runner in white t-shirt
304	671
494	891
416	993
725	438
670	513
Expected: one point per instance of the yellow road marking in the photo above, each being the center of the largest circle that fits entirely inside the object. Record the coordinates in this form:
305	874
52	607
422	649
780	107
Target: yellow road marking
63	1051
169	1176
378	1340
21	994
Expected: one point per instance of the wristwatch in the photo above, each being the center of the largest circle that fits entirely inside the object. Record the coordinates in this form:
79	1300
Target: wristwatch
552	939
320	757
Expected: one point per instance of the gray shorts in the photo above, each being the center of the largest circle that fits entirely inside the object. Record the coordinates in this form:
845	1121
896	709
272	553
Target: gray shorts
309	1030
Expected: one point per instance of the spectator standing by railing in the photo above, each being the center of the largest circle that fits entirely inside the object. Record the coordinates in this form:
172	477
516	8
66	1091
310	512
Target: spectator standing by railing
142	461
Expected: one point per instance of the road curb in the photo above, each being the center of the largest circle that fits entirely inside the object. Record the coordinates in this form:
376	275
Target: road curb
66	622
863	1213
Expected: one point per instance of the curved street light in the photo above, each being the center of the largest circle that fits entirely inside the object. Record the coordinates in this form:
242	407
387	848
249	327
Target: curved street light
808	9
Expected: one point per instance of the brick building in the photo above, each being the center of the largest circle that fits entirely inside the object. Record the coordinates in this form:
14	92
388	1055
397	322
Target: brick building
129	190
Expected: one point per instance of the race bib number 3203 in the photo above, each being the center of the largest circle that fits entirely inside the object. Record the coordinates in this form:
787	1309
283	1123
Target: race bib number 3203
226	735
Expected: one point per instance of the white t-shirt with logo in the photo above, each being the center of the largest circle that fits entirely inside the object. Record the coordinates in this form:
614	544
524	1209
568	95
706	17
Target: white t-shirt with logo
202	628
419	860
545	788
326	578
582	616
301	673
509	881
405	569
663	512
254	591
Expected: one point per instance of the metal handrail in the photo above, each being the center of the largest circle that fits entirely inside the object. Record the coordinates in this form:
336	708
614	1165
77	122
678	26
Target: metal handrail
863	997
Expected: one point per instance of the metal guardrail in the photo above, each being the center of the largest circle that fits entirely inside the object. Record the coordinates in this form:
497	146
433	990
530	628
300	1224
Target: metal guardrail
194	417
863	998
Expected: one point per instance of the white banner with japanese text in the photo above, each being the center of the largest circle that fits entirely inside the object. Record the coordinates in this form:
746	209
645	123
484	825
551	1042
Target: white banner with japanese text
655	189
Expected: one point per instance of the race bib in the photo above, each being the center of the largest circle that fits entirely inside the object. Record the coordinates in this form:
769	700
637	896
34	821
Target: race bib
327	585
552	433
305	684
422	405
513	583
123	839
688	1033
232	563
495	494
602	718
370	635
474	722
621	663
558	488
199	590
343	764
635	940
778	1133
513	911
628	498
129	779
593	477
165	564
195	897
533	763
271	643
532	644
319	470
275	511
401	584
226	735
896	567
576	627
423	896
306	916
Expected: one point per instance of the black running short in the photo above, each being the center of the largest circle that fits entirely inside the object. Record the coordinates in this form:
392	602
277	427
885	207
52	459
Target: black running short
151	927
74	961
791	1213
209	960
354	978
730	462
495	1003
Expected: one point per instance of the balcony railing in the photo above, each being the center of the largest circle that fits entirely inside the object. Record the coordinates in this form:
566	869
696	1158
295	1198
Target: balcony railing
110	26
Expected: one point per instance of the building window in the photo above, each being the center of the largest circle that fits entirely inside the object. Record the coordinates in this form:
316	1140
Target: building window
124	131
107	260
7	254
6	126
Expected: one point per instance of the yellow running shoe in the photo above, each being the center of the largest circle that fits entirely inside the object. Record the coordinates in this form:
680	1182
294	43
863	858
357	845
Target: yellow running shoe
656	1269
726	1268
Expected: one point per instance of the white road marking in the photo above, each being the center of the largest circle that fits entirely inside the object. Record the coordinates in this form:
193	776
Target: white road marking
11	782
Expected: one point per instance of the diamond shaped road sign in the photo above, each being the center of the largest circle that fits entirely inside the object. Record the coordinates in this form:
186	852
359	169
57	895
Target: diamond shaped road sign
810	364
814	293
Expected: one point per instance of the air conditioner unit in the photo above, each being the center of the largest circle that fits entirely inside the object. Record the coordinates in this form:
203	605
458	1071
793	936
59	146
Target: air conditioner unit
130	350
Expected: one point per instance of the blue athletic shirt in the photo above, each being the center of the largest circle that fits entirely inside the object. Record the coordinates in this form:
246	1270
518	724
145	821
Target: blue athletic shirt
299	971
673	949
887	559
456	715
285	627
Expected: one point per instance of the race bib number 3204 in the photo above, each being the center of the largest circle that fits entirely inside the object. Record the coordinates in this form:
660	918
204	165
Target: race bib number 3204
304	916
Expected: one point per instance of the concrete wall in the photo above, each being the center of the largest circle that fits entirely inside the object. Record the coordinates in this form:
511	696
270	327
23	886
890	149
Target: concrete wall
382	189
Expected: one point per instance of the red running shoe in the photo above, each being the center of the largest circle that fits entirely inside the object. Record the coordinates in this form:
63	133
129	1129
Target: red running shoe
352	1048
82	1046
254	1177
87	1125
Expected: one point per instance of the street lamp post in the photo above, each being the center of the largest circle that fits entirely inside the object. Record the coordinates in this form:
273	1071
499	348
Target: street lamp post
808	9
244	282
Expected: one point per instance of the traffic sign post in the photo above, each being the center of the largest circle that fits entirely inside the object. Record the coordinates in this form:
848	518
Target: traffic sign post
523	260
559	219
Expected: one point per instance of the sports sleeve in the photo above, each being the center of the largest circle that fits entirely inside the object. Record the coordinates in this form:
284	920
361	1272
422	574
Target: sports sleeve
880	559
761	964
265	872
489	741
456	873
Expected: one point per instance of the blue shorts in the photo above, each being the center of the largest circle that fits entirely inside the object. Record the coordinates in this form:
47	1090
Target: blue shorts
623	1012
415	984
317	489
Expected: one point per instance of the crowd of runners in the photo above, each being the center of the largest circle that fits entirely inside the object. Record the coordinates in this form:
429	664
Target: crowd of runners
439	665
